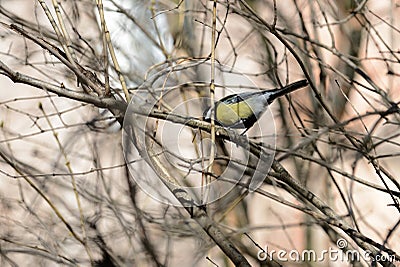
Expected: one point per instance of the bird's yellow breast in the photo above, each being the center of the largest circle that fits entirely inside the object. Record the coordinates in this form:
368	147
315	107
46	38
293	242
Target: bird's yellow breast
230	114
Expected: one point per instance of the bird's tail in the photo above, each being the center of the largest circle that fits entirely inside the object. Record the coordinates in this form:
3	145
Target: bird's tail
274	94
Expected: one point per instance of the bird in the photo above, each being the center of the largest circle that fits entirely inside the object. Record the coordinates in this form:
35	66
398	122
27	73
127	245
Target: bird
241	111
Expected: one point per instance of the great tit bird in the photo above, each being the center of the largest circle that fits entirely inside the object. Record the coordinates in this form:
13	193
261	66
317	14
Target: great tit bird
241	111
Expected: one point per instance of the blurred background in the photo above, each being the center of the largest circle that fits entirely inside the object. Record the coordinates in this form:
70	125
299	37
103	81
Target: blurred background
67	195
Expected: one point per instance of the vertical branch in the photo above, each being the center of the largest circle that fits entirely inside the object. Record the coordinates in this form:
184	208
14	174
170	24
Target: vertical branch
161	43
66	38
56	29
212	88
63	38
275	16
351	37
111	49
